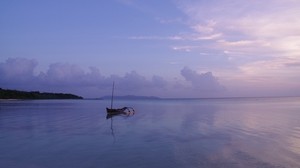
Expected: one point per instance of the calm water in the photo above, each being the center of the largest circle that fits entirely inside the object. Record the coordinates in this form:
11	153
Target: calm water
227	133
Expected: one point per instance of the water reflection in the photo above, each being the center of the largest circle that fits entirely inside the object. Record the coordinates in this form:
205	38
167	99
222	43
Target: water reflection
117	114
207	133
229	133
294	140
256	134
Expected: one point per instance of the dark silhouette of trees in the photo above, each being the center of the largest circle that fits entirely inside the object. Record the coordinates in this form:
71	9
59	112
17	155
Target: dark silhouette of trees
16	94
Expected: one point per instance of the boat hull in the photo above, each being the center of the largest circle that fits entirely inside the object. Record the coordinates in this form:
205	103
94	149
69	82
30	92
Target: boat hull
109	110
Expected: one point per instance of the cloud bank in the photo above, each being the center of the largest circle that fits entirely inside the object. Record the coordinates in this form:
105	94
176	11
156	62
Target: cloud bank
19	73
204	82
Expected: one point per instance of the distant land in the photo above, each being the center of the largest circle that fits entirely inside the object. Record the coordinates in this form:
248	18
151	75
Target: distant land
16	94
131	97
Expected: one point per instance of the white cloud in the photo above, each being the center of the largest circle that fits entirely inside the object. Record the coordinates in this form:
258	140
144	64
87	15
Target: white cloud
269	25
204	81
17	69
18	74
207	28
64	77
274	68
184	48
260	38
172	38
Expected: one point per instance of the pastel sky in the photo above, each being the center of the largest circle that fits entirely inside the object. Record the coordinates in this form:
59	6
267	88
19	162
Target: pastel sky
169	48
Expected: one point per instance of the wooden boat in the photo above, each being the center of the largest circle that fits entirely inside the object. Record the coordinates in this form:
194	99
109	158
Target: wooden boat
117	111
120	110
111	110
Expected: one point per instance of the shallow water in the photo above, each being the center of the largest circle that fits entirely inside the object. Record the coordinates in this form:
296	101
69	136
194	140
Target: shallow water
228	133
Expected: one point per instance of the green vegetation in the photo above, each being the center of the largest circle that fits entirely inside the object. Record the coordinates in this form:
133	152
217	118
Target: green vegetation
15	94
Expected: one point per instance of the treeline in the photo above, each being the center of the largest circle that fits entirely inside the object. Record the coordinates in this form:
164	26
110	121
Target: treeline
16	94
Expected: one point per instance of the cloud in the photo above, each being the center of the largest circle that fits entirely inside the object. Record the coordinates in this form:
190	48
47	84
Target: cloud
204	81
261	39
258	29
63	74
67	75
184	48
293	64
19	70
249	23
172	38
134	82
207	28
279	69
18	73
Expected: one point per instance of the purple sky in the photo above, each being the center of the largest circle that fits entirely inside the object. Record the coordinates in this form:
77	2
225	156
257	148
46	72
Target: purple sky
171	48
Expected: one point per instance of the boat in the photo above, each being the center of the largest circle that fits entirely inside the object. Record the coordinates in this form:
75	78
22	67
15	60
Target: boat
118	111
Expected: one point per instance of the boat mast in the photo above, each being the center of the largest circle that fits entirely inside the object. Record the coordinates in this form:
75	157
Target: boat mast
112	95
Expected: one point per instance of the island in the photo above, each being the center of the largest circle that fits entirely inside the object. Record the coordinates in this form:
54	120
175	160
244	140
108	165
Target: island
17	94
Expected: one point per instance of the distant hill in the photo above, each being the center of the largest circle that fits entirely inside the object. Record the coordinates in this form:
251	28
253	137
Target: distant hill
16	94
131	97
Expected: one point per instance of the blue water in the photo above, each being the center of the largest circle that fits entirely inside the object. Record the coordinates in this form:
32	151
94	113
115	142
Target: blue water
227	133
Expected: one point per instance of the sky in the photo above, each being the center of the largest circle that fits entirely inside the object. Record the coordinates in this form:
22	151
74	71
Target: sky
170	48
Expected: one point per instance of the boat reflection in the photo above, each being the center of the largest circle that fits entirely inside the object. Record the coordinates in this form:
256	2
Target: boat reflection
115	114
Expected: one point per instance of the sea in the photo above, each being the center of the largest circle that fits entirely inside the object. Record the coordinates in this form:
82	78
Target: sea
161	133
